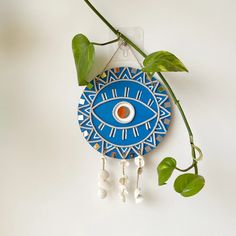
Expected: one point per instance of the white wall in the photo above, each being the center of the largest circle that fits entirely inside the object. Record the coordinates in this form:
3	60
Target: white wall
48	173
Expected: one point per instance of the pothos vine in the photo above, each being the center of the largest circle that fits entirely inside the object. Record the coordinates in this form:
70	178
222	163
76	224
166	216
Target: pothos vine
187	184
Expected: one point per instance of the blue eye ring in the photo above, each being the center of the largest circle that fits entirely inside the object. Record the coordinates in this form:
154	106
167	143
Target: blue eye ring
119	142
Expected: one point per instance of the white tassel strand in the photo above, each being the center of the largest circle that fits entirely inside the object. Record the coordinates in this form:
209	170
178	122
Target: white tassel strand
103	184
139	162
123	181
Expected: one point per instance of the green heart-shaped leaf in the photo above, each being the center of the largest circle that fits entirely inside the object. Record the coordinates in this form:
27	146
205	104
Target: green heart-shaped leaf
165	169
162	61
189	184
83	52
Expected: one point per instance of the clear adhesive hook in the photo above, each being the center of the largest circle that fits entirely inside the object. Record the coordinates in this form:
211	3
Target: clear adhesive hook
124	55
124	47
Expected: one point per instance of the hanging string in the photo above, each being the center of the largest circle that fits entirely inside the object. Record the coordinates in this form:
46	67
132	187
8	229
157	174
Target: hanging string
116	51
122	44
135	56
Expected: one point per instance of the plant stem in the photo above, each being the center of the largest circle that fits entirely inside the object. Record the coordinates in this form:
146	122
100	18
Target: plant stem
104	44
101	17
184	170
176	101
115	31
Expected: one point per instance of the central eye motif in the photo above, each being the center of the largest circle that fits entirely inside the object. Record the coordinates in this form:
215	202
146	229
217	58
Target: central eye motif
124	112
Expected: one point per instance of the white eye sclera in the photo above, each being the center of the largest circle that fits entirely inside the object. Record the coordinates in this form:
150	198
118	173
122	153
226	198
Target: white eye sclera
124	112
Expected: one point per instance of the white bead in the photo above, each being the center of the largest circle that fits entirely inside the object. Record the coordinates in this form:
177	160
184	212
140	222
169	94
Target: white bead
139	170
124	180
122	187
103	184
138	195
102	193
139	198
125	191
137	191
103	174
139	161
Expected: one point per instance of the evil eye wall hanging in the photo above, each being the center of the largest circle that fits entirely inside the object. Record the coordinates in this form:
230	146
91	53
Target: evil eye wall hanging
123	114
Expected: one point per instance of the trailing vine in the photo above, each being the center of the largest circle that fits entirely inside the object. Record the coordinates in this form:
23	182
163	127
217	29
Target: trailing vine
187	184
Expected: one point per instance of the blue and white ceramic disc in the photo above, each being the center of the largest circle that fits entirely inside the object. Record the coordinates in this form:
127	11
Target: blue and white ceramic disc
122	113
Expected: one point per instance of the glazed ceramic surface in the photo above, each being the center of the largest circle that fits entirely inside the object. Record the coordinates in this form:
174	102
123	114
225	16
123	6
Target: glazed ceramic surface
123	113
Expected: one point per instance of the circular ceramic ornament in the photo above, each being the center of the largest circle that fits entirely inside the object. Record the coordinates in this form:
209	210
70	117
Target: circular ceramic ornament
124	114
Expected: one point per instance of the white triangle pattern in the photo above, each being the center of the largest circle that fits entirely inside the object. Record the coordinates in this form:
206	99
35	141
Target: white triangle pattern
151	140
